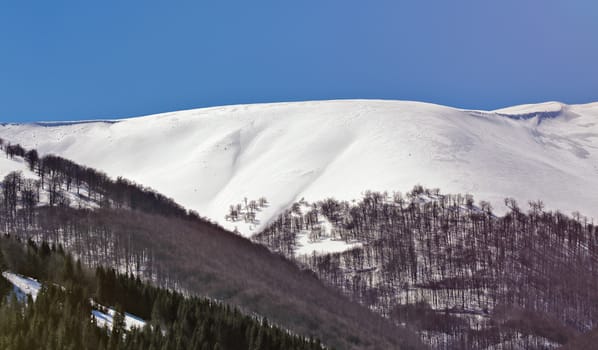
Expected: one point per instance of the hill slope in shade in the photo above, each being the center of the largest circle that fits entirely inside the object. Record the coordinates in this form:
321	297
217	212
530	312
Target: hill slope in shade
207	159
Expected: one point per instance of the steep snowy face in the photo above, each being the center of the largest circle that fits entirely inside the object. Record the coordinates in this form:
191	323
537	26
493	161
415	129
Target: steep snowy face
208	159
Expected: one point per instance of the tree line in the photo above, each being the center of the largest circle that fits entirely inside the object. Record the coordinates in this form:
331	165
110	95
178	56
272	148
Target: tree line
59	176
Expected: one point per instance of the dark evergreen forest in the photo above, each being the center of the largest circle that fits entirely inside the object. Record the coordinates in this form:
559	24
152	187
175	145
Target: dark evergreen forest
60	317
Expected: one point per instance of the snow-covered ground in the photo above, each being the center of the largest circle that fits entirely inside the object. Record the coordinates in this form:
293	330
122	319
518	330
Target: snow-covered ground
324	242
16	164
207	159
24	286
8	165
106	319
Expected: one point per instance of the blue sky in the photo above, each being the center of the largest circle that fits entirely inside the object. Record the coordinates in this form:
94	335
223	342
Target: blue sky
106	59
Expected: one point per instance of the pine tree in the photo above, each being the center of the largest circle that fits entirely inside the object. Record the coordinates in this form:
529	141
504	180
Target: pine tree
118	328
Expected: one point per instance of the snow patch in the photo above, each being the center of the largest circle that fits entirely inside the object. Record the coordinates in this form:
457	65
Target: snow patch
325	243
23	285
106	319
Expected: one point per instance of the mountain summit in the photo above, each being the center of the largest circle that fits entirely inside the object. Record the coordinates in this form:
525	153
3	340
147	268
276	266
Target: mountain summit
211	158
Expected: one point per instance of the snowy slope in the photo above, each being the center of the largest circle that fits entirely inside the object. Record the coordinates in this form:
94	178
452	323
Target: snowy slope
8	165
23	285
208	159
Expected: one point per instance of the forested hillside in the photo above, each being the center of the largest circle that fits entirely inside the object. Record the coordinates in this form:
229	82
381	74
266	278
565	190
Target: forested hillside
440	265
118	224
449	268
59	317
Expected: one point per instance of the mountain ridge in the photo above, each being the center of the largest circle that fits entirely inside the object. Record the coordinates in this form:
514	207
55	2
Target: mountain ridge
211	158
509	110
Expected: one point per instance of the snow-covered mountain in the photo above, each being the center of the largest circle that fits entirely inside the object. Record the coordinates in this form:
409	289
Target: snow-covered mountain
207	159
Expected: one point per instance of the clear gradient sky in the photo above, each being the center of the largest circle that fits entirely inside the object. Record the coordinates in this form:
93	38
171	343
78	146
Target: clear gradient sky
107	59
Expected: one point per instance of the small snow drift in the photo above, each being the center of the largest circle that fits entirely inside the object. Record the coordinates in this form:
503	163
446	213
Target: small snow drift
106	319
208	159
23	285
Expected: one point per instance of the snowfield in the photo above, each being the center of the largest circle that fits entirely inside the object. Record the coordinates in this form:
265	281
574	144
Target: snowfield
207	159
